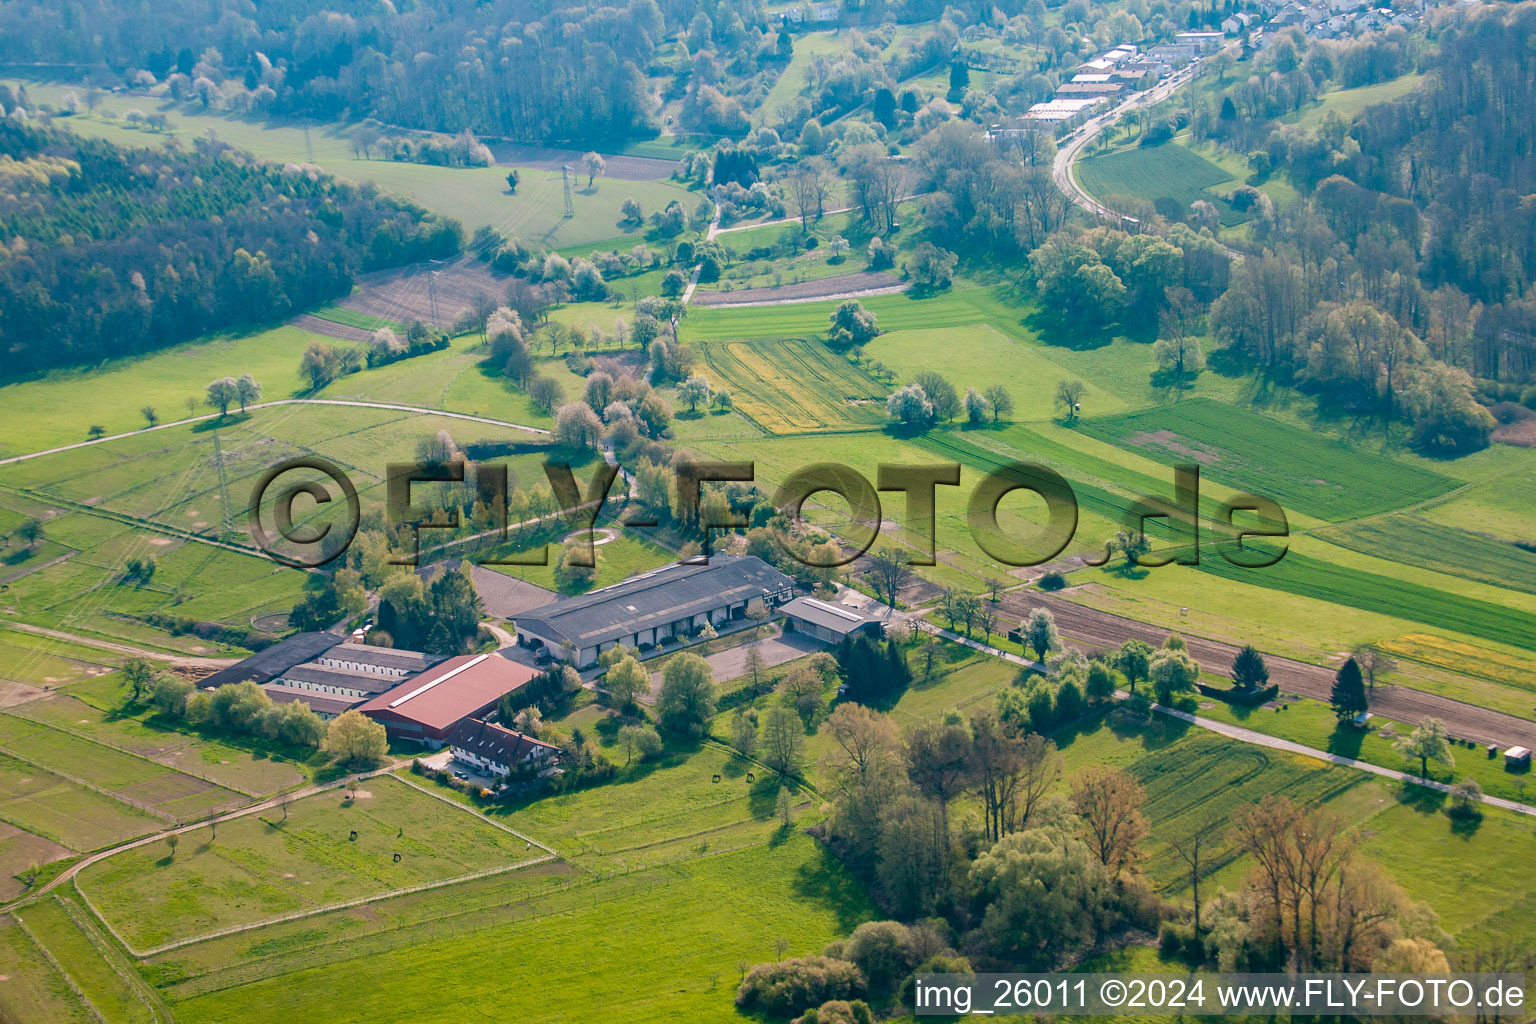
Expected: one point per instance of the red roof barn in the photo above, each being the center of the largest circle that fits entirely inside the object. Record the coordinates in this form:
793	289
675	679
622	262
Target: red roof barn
427	706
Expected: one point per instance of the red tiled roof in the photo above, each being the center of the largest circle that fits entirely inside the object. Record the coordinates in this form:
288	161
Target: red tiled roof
450	691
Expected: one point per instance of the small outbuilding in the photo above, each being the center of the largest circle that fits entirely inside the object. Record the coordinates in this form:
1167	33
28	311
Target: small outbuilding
1517	758
826	621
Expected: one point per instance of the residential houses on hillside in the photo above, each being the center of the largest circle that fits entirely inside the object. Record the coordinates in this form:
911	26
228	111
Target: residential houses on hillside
1107	78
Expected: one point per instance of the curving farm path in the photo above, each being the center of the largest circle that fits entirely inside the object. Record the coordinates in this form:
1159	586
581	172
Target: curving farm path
389	406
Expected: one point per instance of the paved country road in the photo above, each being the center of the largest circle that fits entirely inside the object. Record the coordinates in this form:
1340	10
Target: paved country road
1064	166
1100	630
1243	735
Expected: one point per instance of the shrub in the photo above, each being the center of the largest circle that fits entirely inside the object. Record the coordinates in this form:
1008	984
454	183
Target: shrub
838	1011
794	986
1053	581
882	950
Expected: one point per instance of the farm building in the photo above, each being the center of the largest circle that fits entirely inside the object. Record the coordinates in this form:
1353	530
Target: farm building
325	706
428	706
653	608
344	675
275	660
495	750
827	621
1517	758
380	661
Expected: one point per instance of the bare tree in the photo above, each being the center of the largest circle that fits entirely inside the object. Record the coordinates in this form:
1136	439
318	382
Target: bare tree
1189	850
1373	661
1039	770
806	192
891	570
939	765
1109	802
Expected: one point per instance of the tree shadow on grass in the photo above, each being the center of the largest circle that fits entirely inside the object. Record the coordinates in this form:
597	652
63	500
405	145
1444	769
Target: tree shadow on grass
1465	825
1058	329
830	884
763	793
1346	741
1420	798
232	419
1154	732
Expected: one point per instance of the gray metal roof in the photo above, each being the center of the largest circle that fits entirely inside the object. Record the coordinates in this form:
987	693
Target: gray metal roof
838	618
655	599
384	657
281	656
320	703
363	682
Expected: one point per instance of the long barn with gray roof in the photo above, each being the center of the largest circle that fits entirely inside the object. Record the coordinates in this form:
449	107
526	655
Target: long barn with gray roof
650	609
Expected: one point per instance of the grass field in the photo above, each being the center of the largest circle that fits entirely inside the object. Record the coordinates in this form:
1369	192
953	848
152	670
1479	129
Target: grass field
52	807
1312	723
135	779
1307	471
260	866
24	661
1168	172
1466	658
95	710
19	850
1498	505
1415	541
1327	581
141	496
617	560
979	356
105	985
655	946
1001	307
789	386
475	196
795	77
1349	102
34	989
42	412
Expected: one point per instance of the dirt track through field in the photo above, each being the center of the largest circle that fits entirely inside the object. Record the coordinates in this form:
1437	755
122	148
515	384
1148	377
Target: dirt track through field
825	289
1099	630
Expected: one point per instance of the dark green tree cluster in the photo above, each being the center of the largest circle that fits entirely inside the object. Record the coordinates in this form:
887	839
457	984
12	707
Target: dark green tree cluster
443	618
112	251
872	669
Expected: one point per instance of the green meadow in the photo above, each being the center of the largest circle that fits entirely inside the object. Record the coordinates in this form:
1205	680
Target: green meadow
1313	473
265	865
1168	173
475	196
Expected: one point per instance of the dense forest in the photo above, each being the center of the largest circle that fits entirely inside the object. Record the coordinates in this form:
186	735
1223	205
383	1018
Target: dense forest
107	251
512	68
532	70
1421	208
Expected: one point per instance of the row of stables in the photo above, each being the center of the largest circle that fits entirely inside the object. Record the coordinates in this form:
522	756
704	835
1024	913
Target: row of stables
437	701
